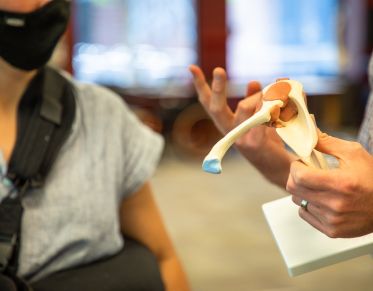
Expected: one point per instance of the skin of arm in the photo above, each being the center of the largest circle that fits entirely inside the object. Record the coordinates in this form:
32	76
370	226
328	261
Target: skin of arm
259	145
141	220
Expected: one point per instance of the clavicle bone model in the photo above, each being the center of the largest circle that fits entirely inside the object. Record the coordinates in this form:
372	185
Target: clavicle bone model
299	133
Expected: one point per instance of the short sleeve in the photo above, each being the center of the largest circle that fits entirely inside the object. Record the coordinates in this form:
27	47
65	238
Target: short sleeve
142	151
366	130
129	150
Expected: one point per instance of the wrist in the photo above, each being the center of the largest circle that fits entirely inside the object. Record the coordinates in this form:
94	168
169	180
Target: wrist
271	159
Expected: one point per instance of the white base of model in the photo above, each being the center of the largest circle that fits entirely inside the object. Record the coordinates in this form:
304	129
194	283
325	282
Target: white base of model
303	247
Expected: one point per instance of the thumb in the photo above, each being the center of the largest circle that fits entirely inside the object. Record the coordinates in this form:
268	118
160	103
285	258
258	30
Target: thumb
330	145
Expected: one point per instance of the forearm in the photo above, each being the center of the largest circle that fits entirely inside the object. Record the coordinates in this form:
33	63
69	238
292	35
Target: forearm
173	275
271	160
141	220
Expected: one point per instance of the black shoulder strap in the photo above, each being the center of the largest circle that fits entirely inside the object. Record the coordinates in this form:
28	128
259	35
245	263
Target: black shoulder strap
42	129
44	123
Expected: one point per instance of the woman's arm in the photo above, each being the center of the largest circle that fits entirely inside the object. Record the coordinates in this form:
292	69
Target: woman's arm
141	220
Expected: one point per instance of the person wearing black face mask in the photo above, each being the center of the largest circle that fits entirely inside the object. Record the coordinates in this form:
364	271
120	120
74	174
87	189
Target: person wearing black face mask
81	205
27	40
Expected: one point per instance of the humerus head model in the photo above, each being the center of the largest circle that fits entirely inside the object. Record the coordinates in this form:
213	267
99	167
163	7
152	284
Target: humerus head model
297	131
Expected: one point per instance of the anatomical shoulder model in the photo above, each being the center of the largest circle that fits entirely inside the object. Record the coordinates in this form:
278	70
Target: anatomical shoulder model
293	124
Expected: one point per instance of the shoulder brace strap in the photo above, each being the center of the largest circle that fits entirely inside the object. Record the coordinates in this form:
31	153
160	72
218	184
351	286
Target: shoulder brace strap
44	124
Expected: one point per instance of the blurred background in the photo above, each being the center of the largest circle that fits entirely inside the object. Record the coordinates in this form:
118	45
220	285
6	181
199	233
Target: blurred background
141	49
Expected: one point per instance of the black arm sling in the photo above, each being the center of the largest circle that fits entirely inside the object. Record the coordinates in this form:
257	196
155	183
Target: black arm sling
44	122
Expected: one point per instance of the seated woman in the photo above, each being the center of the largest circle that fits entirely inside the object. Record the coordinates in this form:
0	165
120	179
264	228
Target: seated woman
96	192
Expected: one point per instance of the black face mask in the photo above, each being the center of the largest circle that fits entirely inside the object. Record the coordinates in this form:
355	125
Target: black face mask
27	40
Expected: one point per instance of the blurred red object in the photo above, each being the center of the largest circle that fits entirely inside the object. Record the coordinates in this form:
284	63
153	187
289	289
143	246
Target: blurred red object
193	131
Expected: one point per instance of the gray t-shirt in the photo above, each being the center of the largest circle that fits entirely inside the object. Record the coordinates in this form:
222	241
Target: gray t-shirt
366	131
74	218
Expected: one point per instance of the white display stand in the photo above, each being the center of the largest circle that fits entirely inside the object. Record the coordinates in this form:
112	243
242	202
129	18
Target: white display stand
304	248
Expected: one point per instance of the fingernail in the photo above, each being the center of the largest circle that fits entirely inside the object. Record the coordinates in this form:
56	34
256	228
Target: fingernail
218	77
218	74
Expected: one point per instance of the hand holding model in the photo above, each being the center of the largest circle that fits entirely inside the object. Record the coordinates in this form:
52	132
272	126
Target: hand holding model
339	201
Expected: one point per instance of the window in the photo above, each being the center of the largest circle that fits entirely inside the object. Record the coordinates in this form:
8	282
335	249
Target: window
290	38
134	44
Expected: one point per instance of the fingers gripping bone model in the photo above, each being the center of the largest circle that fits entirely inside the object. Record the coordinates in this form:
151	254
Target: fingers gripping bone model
284	108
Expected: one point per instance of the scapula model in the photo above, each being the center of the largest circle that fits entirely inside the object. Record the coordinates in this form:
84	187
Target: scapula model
298	132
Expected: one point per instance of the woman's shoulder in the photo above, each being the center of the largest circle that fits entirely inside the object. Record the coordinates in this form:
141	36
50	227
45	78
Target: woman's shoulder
98	95
100	104
94	94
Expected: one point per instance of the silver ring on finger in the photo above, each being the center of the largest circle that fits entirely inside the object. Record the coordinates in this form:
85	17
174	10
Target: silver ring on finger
304	204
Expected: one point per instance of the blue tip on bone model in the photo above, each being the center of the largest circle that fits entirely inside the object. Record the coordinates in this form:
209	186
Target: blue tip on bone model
212	166
212	162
